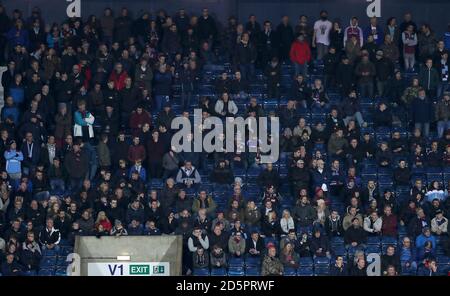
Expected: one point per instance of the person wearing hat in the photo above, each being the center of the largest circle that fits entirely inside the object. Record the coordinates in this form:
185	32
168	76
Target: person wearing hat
384	71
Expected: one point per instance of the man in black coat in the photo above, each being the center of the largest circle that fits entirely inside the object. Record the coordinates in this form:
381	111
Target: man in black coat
49	236
207	29
355	235
267	44
285	35
222	174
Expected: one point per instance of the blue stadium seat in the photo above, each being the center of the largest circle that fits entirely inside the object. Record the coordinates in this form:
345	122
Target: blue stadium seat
251	261
236	262
46	272
236	271
61	271
252	271
218	271
305	271
201	272
321	261
322	271
289	271
48	261
373	240
306	261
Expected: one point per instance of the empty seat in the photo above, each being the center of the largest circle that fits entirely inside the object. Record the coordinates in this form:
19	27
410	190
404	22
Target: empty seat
236	271
322	261
306	261
201	272
305	271
218	271
289	271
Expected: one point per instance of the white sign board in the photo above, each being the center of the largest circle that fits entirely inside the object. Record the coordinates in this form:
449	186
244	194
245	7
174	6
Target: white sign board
129	269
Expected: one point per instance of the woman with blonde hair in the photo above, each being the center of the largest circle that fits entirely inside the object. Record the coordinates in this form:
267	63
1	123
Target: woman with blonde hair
103	220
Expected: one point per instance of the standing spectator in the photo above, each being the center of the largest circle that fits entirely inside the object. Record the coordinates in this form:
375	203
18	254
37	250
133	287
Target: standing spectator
384	71
76	163
393	31
245	58
273	73
13	159
84	121
365	71
429	78
442	114
300	55
375	30
443	70
207	29
353	30
427	42
321	36
409	41
285	35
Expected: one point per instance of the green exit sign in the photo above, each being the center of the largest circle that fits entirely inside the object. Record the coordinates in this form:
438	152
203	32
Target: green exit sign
139	269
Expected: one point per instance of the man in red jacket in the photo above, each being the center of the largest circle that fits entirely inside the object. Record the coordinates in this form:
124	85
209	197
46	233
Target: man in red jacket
118	76
138	118
300	55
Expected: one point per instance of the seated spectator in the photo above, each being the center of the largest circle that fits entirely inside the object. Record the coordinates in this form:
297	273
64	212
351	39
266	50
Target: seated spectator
439	224
135	228
360	269
391	258
271	265
337	144
373	224
218	257
429	268
288	256
271	226
421	240
236	245
382	116
222	174
351	109
355	236
201	258
435	192
255	245
50	237
408	256
402	174
151	229
198	240
204	201
225	106
389	223
31	253
286	223
269	177
320	246
339	268
333	224
384	155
